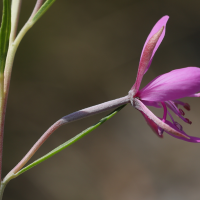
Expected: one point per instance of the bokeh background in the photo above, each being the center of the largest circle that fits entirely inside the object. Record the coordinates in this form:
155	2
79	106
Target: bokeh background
82	53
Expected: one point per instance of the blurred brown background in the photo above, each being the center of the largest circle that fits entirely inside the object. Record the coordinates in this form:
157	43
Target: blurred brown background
82	53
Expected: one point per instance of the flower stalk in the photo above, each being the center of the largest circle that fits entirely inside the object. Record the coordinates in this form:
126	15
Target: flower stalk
67	119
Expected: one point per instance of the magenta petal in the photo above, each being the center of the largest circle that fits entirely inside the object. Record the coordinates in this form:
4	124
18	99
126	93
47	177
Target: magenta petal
152	43
162	22
145	59
189	139
141	107
176	84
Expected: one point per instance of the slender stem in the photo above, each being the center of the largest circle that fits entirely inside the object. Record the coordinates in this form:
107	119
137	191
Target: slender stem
14	42
5	182
67	119
2	187
13	45
165	111
10	57
3	99
15	12
37	7
5	78
1	120
95	110
11	53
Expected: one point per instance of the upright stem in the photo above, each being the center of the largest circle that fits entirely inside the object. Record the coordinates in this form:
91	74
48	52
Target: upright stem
1	119
3	185
3	95
5	78
15	11
2	188
14	42
13	45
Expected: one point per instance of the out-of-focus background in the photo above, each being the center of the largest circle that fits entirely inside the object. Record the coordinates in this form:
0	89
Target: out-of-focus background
82	53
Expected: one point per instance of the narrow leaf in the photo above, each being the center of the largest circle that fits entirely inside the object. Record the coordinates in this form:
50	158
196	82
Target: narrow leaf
43	9
70	142
5	33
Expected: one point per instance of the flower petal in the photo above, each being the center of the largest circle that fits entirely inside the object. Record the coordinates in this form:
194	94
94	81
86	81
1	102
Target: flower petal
141	107
152	43
176	84
144	61
162	22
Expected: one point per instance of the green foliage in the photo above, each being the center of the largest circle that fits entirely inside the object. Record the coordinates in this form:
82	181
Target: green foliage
5	33
70	142
42	10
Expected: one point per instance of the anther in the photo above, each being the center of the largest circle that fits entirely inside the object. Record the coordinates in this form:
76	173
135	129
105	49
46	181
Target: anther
181	112
188	121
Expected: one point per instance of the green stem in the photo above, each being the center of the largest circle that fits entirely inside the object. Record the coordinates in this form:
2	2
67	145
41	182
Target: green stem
7	13
15	12
6	76
4	183
1	120
2	187
14	42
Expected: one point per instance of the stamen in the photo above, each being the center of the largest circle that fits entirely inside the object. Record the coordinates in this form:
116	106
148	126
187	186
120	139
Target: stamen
152	118
172	107
187	106
181	111
188	121
165	112
160	130
175	123
171	117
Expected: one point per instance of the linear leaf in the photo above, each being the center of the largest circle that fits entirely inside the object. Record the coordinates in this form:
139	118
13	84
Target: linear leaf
5	33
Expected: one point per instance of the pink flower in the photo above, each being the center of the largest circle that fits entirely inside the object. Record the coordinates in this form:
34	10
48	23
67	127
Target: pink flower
165	89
